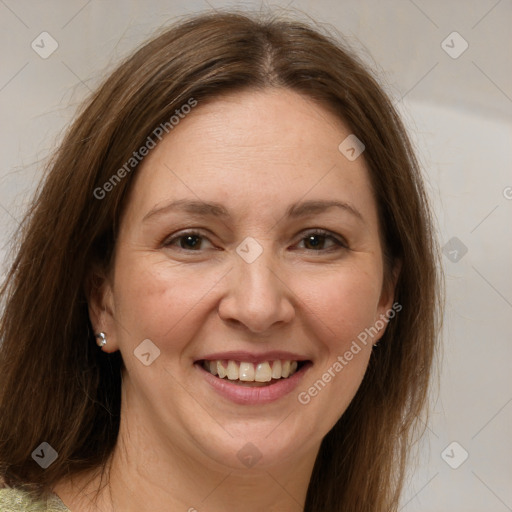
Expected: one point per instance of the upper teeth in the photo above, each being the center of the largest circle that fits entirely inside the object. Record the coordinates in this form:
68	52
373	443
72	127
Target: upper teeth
249	372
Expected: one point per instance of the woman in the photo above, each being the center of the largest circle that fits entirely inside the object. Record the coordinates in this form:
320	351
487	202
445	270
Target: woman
233	222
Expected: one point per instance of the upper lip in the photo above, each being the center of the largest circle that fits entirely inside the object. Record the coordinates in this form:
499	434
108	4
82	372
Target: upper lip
251	357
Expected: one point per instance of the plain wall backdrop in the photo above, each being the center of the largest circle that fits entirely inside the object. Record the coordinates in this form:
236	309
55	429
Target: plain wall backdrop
447	66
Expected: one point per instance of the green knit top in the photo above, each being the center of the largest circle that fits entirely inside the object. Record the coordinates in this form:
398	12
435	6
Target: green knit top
16	500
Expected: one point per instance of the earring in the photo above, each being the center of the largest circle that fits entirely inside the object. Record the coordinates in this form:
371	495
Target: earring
101	339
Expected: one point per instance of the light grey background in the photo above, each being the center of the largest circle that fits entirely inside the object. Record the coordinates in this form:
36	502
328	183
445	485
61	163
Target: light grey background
459	111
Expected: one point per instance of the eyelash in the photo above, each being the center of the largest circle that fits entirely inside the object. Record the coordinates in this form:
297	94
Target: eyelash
340	243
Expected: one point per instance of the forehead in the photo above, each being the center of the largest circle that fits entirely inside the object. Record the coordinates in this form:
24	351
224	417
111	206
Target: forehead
278	122
254	149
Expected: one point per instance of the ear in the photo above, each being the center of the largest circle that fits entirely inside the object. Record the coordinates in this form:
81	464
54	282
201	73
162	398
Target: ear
387	308
100	300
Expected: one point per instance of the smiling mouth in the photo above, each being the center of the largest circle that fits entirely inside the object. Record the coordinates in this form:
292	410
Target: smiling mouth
249	374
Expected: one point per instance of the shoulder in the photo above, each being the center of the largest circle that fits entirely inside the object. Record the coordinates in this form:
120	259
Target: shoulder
16	500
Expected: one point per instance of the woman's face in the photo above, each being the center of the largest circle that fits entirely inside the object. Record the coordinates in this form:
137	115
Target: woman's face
232	248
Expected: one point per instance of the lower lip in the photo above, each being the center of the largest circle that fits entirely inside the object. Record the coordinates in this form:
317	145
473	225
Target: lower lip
244	395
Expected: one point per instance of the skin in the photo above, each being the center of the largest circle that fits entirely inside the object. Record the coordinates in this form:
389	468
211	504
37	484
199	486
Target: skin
256	153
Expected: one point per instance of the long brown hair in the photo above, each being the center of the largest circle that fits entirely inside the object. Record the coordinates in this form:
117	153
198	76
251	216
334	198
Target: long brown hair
57	387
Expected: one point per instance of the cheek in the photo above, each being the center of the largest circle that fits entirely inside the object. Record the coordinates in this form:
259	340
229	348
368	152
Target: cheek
343	302
159	300
168	302
343	305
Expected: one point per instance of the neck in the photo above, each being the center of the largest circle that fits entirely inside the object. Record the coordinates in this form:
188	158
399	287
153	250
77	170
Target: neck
146	473
161	476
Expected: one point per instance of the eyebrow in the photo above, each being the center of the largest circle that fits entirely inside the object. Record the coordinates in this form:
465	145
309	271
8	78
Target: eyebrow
214	209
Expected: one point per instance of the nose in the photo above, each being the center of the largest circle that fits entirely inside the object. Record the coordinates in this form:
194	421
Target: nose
257	297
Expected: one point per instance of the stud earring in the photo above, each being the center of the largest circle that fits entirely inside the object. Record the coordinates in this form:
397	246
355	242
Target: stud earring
101	339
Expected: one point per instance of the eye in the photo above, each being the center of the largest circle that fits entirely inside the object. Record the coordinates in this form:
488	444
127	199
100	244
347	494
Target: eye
317	239
188	241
